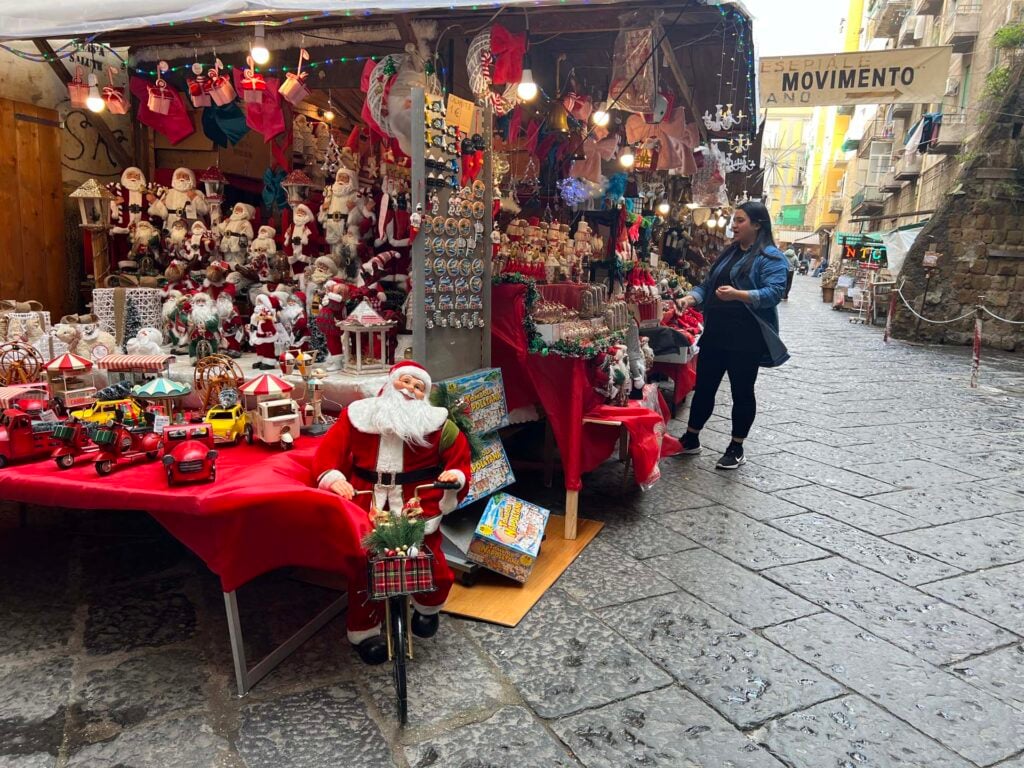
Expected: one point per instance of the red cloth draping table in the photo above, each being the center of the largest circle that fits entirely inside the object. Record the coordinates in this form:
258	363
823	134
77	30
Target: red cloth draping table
683	376
563	387
260	514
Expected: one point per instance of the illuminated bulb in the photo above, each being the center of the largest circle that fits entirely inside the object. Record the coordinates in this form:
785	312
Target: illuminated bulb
601	116
712	223
664	208
722	221
94	101
527	89
627	158
258	50
329	115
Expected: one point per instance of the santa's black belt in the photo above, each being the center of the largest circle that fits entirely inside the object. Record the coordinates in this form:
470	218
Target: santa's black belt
397	478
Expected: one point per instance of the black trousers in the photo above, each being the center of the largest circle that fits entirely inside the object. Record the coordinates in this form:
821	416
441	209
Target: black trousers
712	365
789	283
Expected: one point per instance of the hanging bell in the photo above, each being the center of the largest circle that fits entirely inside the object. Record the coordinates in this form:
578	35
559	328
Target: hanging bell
558	119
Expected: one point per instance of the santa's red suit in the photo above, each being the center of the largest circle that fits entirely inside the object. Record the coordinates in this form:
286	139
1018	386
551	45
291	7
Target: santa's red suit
300	333
302	244
263	335
332	311
232	330
354	450
216	289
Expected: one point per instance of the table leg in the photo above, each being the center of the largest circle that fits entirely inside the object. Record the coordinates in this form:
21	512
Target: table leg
246	678
549	454
572	503
623	443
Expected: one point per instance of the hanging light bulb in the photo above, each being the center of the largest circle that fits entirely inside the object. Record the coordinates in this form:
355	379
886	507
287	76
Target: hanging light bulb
712	222
328	115
527	88
664	208
601	117
627	158
722	221
94	101
258	48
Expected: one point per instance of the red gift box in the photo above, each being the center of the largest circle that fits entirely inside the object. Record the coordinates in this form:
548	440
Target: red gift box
390	576
253	86
198	91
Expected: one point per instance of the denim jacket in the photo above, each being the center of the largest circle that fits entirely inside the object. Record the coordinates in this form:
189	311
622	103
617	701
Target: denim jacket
766	282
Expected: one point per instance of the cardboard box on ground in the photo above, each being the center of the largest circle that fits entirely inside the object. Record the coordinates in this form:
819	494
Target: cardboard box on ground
250	157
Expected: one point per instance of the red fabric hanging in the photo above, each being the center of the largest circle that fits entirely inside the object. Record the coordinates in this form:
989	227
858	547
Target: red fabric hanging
175	125
266	116
508	50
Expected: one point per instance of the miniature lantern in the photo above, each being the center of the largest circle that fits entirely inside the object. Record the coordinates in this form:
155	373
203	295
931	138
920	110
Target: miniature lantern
287	362
365	340
94	207
213	183
297	185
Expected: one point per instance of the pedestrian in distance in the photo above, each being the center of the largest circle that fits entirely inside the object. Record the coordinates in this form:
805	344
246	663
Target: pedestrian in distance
791	262
741	327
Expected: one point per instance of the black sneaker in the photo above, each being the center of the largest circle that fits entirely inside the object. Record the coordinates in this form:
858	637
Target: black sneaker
691	444
732	458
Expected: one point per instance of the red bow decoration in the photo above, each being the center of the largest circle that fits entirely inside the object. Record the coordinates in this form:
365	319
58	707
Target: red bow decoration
472	164
113	96
577	106
508	50
253	84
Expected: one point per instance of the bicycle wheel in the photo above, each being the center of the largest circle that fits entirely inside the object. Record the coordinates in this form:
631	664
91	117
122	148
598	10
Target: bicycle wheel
399	644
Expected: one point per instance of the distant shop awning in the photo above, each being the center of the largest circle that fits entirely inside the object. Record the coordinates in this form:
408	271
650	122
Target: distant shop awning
850	145
794	236
898	242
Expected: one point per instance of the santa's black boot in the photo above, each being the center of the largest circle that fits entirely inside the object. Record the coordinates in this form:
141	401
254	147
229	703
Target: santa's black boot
424	625
373	650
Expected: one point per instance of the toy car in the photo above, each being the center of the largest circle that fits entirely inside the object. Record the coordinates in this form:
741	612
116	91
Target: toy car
22	437
118	443
274	421
188	453
74	439
228	423
104	411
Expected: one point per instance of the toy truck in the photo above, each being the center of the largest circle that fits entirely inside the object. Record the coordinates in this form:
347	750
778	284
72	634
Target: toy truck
22	437
274	421
188	453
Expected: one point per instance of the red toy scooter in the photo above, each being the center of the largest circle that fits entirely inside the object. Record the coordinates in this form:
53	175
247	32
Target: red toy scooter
75	441
118	443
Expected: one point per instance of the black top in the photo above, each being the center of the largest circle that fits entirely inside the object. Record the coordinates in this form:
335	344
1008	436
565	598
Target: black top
730	325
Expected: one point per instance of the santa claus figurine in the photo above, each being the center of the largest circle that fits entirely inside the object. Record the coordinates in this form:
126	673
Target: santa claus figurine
394	245
300	242
340	199
203	326
390	444
199	245
293	318
176	239
263	331
175	314
332	312
261	251
145	245
323	270
236	233
216	282
232	326
181	201
178	279
129	206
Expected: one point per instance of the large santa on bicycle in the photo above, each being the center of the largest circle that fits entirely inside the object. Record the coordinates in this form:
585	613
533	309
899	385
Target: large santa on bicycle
390	444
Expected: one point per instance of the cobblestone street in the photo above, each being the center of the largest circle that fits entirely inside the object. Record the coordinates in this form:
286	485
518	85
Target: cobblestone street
853	597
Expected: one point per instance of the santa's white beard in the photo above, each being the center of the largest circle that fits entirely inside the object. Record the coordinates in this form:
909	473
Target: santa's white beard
178	236
225	308
395	414
132	186
202	314
170	307
182	185
290	314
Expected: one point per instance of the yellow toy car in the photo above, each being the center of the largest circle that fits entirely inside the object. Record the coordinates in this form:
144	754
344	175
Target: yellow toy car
103	411
228	423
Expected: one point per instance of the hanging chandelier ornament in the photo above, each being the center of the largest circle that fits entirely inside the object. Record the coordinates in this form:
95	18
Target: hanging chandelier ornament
737	164
739	144
723	119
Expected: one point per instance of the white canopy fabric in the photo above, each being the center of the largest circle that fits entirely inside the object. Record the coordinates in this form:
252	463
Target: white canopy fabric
22	20
897	243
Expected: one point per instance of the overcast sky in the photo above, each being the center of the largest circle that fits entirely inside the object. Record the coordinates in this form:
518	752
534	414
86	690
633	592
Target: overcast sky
795	27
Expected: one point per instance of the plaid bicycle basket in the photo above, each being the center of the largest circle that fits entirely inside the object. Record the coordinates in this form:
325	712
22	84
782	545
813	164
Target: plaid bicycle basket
393	576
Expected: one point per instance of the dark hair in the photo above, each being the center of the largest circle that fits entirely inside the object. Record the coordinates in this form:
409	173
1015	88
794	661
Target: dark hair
762	219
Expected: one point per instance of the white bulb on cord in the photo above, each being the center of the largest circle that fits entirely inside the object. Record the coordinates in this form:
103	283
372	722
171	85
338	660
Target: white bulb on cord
664	208
328	115
527	89
258	50
722	221
601	117
712	223
627	158
94	101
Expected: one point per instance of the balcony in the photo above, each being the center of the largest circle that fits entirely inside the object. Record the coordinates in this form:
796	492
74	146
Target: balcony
927	7
906	36
835	203
902	109
952	134
886	18
908	167
961	27
888	181
867	200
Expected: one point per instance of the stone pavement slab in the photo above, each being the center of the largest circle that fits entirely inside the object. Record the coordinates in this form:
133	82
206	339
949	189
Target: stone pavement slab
949	503
602	575
820	434
851	510
747	542
742	595
996	594
37	760
563	660
919	623
322	728
755	474
1017	518
669	727
738	497
962	718
747	679
970	544
870	551
853	732
125	618
823	474
1001	673
913	473
32	707
511	737
641	536
185	742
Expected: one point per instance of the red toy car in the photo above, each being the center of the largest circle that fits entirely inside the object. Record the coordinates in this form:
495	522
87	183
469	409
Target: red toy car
22	437
74	439
118	443
188	453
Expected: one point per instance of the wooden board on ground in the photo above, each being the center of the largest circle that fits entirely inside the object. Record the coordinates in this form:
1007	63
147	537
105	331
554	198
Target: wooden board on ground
499	600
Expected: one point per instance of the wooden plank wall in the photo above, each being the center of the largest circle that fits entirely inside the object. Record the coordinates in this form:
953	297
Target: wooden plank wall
33	262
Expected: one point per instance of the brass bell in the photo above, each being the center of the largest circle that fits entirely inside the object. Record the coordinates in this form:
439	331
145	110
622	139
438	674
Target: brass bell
558	119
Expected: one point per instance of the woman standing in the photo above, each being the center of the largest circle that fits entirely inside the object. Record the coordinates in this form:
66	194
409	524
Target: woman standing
741	327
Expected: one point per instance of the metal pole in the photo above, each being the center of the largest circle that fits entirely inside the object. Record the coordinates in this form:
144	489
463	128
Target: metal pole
888	318
976	356
924	297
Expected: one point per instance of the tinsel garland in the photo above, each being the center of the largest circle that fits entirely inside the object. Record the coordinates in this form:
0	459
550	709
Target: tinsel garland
562	348
573	191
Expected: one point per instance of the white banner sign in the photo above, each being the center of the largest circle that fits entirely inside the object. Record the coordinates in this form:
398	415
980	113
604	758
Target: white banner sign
915	75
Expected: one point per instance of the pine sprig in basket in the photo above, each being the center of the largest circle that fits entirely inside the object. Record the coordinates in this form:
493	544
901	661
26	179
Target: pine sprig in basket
443	397
398	533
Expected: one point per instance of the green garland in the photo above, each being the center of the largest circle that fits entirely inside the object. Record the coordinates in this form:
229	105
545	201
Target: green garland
397	533
536	342
443	397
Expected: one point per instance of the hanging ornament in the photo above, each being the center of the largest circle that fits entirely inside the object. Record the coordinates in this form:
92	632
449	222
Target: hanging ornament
78	89
221	90
159	97
332	157
294	89
198	90
723	120
739	144
253	83
489	61
113	96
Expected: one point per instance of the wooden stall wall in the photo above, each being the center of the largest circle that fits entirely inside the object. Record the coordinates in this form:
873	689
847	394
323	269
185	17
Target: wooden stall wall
33	262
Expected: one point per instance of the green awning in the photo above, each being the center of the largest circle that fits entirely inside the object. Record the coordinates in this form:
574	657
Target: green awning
850	144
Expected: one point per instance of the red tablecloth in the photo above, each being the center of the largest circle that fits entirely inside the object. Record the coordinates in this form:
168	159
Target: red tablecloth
260	514
563	387
683	375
